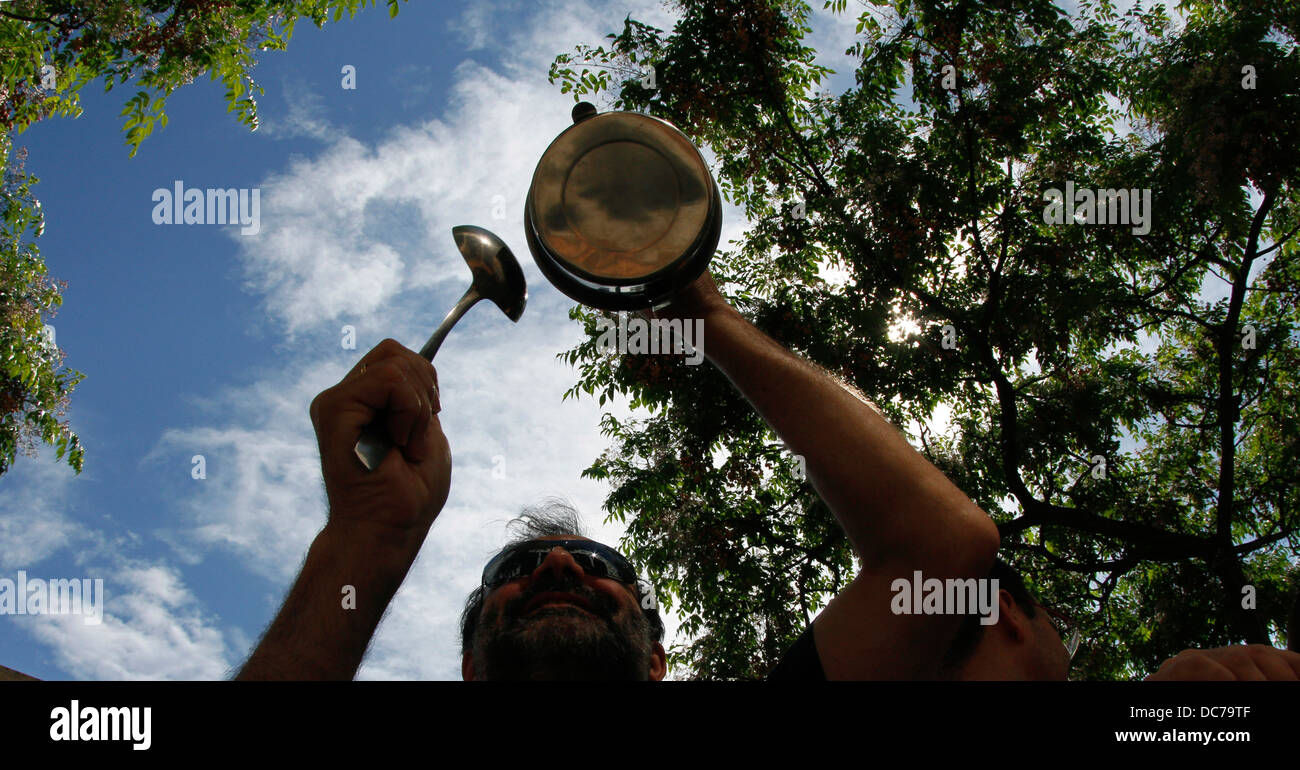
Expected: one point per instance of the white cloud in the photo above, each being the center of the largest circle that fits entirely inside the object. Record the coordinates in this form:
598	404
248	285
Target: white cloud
261	498
319	257
305	115
474	25
152	628
33	525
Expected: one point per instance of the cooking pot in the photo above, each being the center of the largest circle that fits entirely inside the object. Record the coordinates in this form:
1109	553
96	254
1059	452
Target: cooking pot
622	212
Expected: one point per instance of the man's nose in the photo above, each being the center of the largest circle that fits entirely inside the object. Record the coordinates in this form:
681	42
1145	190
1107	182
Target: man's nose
557	564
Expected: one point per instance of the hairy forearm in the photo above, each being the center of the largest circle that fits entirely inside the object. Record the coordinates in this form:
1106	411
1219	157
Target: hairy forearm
890	500
321	633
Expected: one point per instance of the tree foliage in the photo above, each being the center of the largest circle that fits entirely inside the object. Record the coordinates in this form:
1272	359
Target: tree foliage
53	49
1119	402
49	51
34	385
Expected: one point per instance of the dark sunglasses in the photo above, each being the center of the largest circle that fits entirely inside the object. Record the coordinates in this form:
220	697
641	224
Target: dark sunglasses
596	559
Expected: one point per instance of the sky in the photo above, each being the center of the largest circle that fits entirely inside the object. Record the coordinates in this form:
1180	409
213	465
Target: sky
201	340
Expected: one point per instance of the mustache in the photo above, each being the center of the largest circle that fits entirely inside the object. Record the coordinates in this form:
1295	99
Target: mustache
600	603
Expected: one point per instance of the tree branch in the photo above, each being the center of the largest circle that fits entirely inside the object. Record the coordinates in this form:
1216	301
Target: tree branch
1247	625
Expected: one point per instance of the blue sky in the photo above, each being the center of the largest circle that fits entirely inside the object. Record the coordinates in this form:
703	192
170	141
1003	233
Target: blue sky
197	340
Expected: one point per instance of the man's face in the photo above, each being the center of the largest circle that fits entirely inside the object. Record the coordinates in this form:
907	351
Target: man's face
1019	647
560	623
1055	652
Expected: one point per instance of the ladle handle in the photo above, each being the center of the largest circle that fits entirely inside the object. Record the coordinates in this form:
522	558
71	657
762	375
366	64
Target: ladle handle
466	302
373	445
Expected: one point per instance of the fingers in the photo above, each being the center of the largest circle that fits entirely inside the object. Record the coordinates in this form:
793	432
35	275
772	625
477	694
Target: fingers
697	300
415	417
1192	665
1244	663
1256	662
1292	659
390	382
407	411
1273	664
1243	666
389	348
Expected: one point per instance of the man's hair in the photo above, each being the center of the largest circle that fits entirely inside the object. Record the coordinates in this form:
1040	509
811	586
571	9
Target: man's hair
551	517
968	636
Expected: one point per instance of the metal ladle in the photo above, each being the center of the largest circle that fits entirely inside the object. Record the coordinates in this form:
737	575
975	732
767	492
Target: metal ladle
497	277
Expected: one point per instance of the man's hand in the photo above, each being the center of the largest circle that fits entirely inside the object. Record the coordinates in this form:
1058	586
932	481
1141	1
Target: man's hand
1238	663
698	300
406	492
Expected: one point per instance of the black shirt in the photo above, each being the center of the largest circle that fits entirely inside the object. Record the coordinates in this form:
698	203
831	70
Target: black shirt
800	663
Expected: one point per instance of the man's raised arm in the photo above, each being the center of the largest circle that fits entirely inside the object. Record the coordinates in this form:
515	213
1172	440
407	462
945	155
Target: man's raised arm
377	520
900	513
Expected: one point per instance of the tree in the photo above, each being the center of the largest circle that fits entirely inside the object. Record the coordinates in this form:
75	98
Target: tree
1129	429
50	51
33	385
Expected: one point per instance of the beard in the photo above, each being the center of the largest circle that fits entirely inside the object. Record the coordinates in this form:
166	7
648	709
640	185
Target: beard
562	642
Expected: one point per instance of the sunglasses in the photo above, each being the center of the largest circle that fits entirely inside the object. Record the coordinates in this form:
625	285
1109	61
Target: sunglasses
596	559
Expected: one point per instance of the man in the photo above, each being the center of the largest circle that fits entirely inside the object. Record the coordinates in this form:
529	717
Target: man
901	516
556	605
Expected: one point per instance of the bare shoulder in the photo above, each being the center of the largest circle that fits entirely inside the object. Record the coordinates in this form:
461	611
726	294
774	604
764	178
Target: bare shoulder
897	621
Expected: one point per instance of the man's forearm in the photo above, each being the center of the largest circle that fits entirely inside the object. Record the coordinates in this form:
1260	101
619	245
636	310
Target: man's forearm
887	496
321	633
